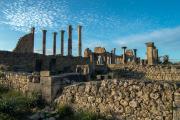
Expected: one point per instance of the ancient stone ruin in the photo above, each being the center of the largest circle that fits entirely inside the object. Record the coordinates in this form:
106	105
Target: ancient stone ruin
123	87
26	43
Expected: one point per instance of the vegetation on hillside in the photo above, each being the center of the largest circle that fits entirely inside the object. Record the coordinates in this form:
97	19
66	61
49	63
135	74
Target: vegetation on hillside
66	113
14	105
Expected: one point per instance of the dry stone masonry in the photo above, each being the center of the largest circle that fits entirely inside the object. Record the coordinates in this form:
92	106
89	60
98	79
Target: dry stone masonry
124	99
168	73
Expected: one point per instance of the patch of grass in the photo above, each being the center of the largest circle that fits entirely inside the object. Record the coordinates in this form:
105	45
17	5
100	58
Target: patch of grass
3	89
4	116
16	105
66	113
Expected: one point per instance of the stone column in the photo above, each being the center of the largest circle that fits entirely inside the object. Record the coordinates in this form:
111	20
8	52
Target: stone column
150	47
44	42
62	42
114	51
69	40
54	43
155	55
135	54
114	56
33	33
79	41
92	63
124	55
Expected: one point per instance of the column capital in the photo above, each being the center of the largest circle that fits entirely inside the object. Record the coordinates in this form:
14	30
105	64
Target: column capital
62	31
55	33
44	30
79	26
124	47
150	44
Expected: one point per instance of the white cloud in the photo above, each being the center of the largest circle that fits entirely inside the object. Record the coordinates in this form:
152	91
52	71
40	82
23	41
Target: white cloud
167	40
161	36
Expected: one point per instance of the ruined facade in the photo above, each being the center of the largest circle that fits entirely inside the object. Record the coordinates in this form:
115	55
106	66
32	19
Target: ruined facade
131	88
26	43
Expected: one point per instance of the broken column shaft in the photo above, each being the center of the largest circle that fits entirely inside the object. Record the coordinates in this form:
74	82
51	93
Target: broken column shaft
79	41
69	40
124	54
62	42
33	32
135	53
54	43
150	57
44	42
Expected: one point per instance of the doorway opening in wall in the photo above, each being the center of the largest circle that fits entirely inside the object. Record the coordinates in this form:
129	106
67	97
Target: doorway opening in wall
38	65
52	65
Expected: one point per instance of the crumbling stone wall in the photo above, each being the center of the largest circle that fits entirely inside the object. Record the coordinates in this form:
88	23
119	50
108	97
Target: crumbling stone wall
27	62
151	72
23	82
52	86
25	44
123	99
45	83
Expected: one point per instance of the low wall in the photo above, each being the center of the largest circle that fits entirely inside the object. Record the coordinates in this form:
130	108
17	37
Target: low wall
151	72
24	82
45	83
125	99
52	86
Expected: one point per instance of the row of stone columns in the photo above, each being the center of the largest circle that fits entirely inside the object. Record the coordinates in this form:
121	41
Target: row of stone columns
62	41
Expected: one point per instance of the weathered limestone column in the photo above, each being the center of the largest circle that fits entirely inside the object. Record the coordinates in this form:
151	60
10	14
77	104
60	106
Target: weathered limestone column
150	56
54	43
155	55
135	54
33	33
124	55
79	41
92	62
114	58
114	51
44	42
69	40
62	42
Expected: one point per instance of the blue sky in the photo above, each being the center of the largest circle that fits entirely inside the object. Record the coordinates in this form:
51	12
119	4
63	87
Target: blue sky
107	23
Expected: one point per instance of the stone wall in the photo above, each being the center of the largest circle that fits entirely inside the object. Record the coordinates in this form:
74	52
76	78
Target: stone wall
170	73
50	86
23	82
28	62
25	44
124	99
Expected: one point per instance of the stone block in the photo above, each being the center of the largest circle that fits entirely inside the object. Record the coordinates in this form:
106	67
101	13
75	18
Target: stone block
45	73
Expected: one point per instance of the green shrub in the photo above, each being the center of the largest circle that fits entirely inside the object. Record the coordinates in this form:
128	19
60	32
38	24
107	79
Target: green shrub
86	116
66	113
4	116
16	104
3	89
